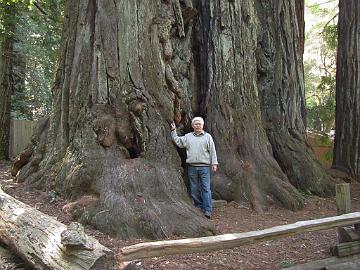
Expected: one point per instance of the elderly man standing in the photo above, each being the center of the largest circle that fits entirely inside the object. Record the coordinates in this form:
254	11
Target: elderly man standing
201	156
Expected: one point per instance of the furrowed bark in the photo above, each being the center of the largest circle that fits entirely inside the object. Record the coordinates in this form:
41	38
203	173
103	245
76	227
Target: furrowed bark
281	89
230	104
347	122
6	62
127	69
116	91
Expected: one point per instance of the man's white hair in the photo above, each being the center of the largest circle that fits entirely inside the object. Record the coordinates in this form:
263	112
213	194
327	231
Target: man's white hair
197	119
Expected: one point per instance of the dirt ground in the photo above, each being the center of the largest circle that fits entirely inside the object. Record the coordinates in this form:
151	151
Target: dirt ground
231	218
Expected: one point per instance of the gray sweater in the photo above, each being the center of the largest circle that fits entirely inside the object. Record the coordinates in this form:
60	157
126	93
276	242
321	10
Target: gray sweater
200	149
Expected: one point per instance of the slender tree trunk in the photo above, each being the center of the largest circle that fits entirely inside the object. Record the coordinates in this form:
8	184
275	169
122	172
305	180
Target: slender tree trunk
300	16
281	88
347	123
19	103
6	58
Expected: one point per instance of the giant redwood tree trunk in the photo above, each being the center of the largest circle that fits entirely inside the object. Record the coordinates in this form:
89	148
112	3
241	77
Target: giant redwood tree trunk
347	123
126	70
281	88
6	58
229	101
109	138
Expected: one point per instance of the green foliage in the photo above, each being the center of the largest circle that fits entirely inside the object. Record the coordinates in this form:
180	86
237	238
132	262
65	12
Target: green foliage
321	105
324	140
37	39
329	156
330	36
306	193
53	195
286	264
320	66
7	18
8	10
26	3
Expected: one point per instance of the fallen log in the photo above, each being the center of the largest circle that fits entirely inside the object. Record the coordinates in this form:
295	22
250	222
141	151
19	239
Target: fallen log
45	243
9	261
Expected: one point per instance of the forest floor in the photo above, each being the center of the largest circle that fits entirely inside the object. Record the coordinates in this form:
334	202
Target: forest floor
230	218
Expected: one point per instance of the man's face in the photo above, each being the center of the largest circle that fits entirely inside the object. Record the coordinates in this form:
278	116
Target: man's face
198	126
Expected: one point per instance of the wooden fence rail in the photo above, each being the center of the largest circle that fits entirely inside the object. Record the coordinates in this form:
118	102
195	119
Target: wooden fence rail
226	241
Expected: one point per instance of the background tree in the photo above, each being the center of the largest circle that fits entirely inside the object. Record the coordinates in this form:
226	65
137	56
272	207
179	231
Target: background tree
347	133
8	12
26	77
229	101
37	40
126	70
281	88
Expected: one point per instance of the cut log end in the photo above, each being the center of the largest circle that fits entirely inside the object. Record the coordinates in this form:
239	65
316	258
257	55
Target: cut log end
44	243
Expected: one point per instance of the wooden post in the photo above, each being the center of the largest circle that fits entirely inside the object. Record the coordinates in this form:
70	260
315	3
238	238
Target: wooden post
343	199
347	249
343	204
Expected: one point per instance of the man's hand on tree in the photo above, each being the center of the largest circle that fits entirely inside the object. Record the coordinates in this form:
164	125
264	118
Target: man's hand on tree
173	126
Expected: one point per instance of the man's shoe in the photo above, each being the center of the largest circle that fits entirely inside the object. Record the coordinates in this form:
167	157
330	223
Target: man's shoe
208	215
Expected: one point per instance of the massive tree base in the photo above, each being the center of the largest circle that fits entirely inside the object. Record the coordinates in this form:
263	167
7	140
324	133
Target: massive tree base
44	243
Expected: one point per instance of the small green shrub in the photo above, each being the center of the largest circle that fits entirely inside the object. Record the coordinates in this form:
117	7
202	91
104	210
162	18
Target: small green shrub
328	155
286	264
53	196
